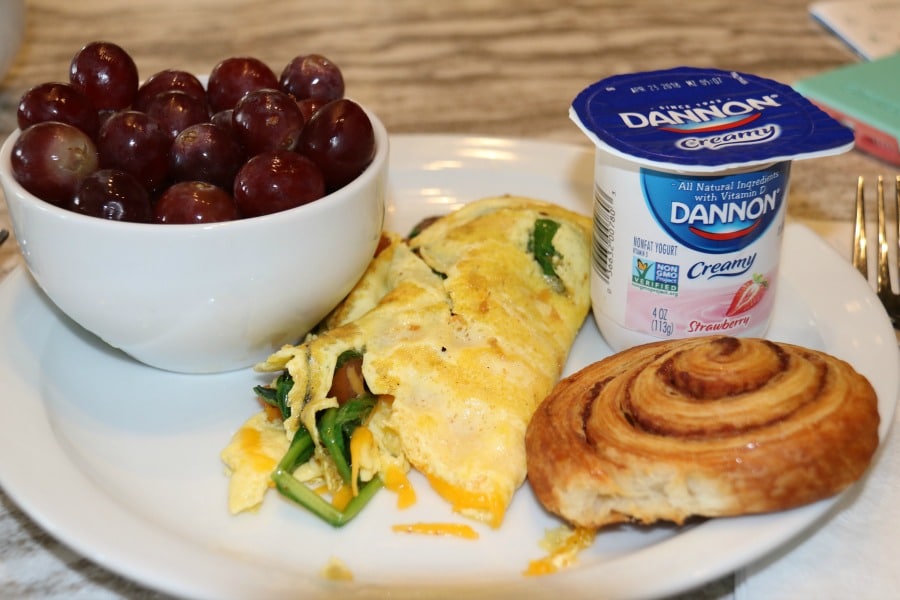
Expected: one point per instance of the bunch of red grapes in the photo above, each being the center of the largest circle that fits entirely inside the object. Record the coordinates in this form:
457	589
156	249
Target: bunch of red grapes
170	150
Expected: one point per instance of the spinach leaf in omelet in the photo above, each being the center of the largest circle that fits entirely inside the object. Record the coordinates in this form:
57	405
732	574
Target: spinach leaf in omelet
277	394
300	451
541	245
335	427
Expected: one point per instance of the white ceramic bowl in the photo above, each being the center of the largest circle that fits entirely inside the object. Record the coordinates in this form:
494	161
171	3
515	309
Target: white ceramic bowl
202	298
12	30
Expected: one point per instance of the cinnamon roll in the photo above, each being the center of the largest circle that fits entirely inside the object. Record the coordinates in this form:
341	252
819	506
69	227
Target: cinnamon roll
713	426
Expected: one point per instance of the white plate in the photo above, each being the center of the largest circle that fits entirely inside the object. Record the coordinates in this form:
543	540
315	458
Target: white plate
121	461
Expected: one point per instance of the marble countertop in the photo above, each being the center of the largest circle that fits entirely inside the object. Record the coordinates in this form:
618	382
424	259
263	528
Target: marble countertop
489	67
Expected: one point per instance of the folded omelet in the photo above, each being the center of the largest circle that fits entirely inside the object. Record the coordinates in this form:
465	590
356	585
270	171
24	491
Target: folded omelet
463	329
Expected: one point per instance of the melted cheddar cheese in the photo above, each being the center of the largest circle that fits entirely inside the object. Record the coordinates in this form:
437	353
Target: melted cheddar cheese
396	481
250	458
455	529
489	507
563	545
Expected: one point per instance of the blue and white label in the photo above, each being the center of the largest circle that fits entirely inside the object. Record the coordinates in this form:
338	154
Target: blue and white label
706	119
716	214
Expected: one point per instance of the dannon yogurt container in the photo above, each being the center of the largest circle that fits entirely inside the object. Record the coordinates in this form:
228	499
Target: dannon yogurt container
690	193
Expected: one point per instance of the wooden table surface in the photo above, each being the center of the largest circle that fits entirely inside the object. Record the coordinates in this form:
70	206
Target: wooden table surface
488	67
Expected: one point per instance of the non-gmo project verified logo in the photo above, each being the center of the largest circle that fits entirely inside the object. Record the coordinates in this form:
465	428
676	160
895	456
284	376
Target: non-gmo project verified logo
656	276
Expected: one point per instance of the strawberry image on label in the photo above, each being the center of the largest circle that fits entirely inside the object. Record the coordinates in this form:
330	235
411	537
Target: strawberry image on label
748	295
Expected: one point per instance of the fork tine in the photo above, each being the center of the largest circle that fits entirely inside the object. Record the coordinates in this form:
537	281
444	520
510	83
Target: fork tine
860	257
897	222
883	281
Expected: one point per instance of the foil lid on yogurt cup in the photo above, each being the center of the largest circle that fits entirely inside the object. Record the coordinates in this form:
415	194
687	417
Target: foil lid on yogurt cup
705	120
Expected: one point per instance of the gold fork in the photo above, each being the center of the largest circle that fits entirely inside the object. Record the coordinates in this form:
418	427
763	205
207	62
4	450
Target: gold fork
889	299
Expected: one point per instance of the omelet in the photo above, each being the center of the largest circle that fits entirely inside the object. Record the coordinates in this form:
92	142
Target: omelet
462	330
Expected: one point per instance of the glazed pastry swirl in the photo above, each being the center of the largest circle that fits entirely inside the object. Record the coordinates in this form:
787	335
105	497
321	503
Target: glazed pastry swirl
713	426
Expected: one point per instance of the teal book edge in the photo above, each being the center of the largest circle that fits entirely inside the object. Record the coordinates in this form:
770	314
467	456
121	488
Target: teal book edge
866	97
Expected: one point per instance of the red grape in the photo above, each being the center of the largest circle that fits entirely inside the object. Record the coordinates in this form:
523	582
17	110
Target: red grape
114	195
268	143
133	142
339	138
57	102
50	160
233	77
266	120
206	152
189	202
224	119
169	80
106	74
174	111
276	181
308	107
312	76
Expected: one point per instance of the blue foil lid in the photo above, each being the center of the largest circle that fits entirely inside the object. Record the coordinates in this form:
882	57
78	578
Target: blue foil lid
705	120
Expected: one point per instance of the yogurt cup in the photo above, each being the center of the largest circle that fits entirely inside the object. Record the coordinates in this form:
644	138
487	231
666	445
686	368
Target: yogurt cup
691	178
